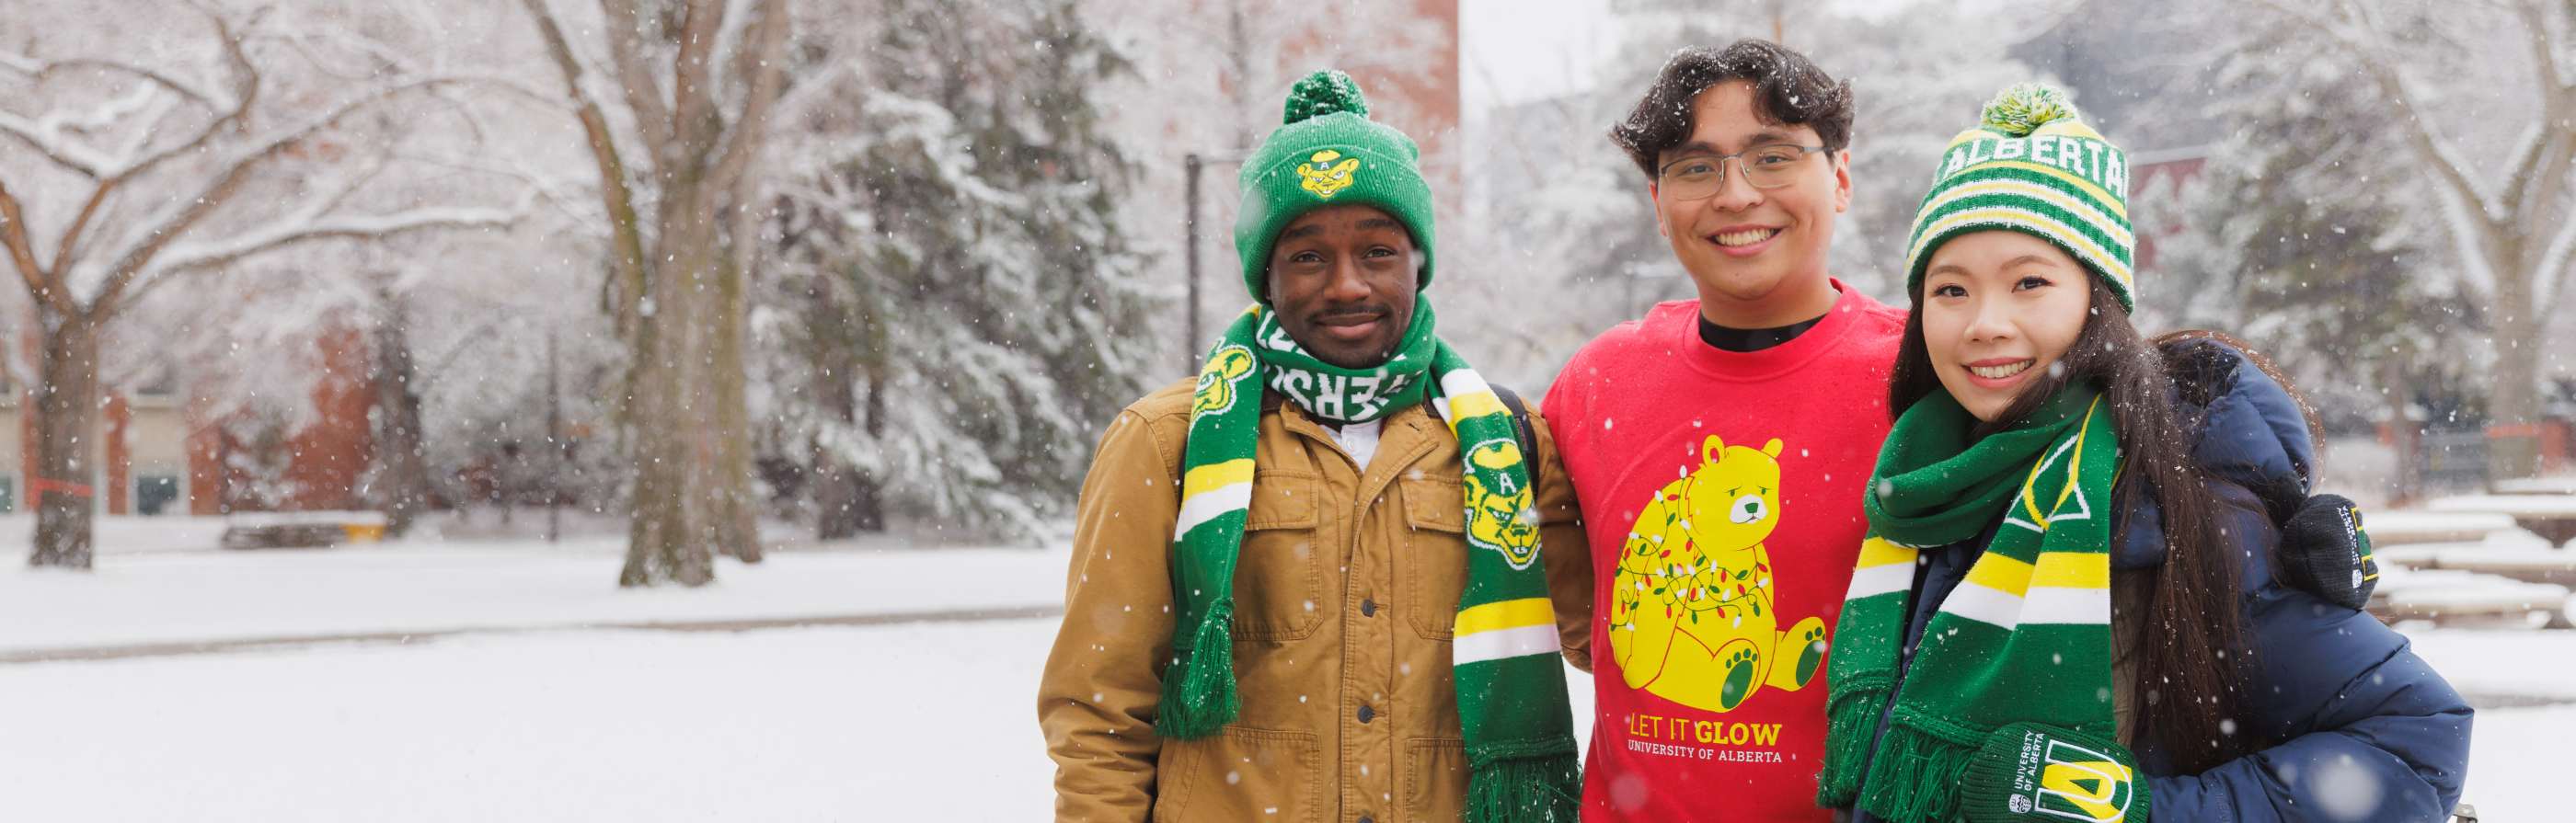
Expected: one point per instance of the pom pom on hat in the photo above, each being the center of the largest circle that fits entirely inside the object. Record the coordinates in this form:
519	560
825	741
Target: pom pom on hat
1324	92
2023	108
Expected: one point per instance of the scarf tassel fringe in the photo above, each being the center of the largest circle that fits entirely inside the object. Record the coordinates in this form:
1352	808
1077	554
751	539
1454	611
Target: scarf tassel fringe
1198	694
1915	777
1542	789
1850	720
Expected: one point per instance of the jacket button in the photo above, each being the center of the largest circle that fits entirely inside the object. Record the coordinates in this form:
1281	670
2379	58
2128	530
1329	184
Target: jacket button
1367	714
1365	819
1368	608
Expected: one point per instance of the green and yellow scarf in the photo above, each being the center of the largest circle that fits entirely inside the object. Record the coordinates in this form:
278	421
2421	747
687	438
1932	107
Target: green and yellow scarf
1511	689
2026	637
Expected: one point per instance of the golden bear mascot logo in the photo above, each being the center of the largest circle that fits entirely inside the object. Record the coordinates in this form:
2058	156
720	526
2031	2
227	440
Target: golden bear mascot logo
1692	615
1500	518
1215	391
1325	177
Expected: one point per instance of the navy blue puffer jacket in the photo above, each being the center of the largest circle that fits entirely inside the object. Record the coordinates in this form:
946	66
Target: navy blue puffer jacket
2364	729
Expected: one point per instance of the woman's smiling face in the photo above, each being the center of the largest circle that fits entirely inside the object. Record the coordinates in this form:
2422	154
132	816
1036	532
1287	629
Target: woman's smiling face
1999	308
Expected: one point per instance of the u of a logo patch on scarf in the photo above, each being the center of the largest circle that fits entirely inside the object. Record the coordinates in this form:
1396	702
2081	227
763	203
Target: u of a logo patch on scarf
2067	781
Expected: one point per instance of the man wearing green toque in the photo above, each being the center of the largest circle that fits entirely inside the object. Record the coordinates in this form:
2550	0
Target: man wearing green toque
1309	585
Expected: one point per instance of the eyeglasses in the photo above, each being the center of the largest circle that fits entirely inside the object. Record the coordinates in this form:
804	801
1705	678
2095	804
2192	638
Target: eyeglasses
1765	167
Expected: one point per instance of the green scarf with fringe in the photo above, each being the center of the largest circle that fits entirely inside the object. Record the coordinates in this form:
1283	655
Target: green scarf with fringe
1511	688
2025	637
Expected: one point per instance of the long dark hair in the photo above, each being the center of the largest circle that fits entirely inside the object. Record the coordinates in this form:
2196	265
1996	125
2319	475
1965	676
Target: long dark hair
2191	667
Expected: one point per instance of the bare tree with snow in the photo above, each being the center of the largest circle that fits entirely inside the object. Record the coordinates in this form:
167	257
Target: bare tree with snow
250	128
674	102
2484	94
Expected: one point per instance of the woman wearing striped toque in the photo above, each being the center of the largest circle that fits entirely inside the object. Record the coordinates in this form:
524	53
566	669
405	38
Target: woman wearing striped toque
2065	608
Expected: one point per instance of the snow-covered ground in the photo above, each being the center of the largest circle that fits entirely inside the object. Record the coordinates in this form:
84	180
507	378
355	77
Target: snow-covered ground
200	595
911	722
927	722
542	722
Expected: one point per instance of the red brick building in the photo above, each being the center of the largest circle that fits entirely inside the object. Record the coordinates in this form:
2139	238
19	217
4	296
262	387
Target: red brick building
162	450
324	461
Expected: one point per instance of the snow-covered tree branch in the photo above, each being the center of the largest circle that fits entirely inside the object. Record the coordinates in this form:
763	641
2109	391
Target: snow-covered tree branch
2487	132
152	169
304	228
228	181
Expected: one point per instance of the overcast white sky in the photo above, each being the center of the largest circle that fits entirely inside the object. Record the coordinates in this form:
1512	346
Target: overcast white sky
1516	50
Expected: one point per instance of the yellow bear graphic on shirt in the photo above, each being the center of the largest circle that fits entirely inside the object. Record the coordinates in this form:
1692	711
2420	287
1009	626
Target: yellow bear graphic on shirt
1692	615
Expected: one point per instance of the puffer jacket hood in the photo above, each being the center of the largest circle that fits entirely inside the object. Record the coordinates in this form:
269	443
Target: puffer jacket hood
2250	431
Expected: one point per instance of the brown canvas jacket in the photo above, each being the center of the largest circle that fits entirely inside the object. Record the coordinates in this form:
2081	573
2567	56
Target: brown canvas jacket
1345	591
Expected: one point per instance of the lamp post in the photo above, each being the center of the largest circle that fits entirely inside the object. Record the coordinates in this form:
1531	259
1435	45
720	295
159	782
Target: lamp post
554	446
1191	165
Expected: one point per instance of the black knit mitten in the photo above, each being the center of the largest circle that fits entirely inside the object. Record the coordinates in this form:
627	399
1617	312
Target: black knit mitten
2325	552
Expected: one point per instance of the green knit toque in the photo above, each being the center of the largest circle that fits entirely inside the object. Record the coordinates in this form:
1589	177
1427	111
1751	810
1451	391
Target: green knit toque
1328	153
2032	166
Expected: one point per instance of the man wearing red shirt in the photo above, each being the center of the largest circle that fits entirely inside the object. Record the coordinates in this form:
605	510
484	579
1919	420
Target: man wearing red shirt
1719	448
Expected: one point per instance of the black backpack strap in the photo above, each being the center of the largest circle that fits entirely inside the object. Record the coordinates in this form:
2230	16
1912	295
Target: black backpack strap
1521	426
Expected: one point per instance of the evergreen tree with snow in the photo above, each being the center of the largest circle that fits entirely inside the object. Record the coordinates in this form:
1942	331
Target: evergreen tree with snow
2296	236
963	308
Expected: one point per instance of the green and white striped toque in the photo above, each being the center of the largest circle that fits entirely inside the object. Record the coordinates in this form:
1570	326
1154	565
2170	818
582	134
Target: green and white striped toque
2032	166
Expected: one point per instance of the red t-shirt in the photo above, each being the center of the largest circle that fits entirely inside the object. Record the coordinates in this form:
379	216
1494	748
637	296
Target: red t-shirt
1721	492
